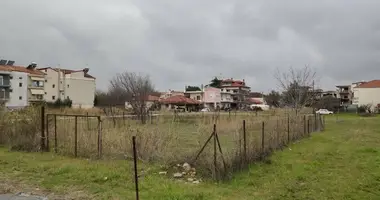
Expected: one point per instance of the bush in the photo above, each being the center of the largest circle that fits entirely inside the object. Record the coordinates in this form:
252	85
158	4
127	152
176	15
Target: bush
59	103
20	129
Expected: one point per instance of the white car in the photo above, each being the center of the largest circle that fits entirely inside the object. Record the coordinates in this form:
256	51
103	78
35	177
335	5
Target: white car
324	112
205	110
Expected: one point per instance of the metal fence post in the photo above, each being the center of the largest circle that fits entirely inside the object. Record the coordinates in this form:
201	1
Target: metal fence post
244	142
135	166
262	137
76	137
55	135
43	128
215	158
288	129
99	137
304	125
47	133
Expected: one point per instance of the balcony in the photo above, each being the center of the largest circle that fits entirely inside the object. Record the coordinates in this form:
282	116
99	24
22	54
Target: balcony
4	95
5	81
344	91
37	97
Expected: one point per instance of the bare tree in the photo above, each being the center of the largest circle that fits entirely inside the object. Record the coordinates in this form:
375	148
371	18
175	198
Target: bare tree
297	85
134	88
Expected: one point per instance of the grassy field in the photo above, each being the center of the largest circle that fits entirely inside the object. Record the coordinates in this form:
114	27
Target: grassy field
342	162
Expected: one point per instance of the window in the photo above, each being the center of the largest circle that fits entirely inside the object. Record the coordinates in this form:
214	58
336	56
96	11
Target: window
53	85
45	80
53	97
1	80
20	84
20	97
45	92
20	77
198	98
68	86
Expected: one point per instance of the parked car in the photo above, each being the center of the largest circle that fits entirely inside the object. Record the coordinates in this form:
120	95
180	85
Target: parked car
324	112
205	110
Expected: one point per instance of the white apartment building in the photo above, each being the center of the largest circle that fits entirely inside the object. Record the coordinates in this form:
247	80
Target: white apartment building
367	94
20	86
76	85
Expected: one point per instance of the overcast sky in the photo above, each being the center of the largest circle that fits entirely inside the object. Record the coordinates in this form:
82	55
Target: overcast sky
184	42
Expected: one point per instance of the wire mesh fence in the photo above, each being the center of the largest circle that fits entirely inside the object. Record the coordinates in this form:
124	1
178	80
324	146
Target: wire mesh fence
235	142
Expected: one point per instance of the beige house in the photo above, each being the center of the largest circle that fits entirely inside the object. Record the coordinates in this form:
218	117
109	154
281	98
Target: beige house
76	85
367	94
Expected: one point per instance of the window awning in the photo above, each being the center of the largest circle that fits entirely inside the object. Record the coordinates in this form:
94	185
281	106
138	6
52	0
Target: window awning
34	91
37	78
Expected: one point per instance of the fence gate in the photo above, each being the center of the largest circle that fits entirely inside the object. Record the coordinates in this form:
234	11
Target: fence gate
74	135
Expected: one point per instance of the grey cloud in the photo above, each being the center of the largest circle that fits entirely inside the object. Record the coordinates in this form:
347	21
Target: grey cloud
182	42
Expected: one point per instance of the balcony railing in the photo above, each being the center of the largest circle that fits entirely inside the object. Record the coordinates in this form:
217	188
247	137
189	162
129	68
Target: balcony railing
36	98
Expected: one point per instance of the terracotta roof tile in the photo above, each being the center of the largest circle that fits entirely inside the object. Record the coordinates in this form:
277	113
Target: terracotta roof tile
179	99
20	69
370	84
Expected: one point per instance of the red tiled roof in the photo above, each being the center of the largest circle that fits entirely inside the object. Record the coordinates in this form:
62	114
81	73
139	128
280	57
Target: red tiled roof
231	80
370	84
20	69
179	99
254	101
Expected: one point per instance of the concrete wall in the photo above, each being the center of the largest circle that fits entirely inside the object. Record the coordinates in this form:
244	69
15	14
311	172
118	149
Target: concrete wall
19	95
212	95
81	91
364	96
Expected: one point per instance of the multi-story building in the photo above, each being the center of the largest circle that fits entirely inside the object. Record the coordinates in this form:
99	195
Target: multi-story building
210	97
18	86
367	93
234	93
346	93
76	85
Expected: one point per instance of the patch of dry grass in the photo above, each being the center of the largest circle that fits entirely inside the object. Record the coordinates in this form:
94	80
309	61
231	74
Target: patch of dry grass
166	138
171	139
